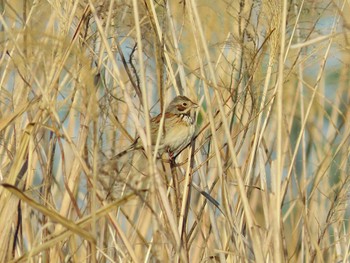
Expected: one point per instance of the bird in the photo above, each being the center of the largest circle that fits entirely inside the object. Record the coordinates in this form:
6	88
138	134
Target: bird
118	176
177	131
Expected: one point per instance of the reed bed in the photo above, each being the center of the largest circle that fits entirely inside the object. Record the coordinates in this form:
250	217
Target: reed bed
266	178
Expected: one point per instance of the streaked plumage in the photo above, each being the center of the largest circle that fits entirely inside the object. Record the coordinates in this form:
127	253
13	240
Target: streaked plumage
178	127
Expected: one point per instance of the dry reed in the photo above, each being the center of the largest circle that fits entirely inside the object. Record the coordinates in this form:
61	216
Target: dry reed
266	178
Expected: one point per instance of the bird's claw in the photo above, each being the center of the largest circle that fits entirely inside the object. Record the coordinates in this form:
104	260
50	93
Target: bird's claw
171	155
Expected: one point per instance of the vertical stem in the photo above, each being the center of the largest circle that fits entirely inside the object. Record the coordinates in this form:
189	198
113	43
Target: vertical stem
177	201
280	156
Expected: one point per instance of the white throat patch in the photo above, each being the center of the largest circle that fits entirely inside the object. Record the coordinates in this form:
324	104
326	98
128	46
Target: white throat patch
187	118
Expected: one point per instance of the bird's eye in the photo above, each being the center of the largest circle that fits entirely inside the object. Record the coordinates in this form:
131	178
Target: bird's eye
184	104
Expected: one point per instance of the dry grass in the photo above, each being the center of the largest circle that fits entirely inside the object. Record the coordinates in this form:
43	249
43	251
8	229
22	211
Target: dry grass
79	81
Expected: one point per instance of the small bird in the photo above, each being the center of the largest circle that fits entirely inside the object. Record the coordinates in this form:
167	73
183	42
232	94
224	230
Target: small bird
117	177
178	128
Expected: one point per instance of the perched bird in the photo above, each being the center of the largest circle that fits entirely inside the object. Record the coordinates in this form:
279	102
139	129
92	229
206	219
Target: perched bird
117	176
177	131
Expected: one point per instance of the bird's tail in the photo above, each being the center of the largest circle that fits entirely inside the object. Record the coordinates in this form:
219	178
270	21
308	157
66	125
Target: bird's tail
134	146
